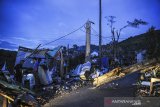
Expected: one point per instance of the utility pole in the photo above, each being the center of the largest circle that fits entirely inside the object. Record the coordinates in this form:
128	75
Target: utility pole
62	64
67	68
88	40
100	31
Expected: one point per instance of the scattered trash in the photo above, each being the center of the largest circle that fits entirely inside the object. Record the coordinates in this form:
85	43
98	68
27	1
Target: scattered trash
148	84
145	83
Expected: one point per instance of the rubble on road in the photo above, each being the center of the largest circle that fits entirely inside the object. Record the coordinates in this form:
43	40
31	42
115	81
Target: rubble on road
149	82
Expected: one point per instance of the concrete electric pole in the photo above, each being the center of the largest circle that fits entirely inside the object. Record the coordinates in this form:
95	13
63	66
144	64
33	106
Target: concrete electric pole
100	31
88	40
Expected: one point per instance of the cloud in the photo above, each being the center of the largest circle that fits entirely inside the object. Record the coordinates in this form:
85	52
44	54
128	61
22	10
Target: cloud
7	45
61	24
25	39
30	22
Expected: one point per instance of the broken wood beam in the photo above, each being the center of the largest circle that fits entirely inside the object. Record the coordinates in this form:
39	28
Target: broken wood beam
6	96
150	68
151	84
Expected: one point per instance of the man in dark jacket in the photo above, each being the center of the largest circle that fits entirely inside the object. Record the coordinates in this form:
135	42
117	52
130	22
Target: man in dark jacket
18	73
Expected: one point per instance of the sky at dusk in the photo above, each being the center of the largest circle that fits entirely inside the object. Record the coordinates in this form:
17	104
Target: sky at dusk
32	22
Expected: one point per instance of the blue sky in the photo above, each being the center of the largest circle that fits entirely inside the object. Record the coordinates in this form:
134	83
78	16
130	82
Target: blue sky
32	22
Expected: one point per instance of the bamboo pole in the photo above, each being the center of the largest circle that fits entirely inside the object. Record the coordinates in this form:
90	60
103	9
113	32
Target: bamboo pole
6	96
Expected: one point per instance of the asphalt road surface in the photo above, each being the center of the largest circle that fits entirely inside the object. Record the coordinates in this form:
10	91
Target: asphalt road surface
94	97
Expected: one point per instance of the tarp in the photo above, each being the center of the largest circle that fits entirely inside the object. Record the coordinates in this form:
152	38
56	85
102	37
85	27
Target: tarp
4	68
81	69
85	67
42	76
77	71
53	52
93	54
105	62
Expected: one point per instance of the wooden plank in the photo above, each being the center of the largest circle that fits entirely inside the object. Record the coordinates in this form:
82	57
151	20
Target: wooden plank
152	81
6	96
146	69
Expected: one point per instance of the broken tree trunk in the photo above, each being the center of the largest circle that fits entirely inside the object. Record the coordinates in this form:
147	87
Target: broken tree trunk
106	77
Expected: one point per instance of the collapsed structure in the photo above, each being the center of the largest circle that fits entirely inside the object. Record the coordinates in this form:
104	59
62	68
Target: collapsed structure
49	62
47	66
43	62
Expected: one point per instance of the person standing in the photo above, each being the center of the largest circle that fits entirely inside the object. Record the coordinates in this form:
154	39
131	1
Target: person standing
19	73
35	70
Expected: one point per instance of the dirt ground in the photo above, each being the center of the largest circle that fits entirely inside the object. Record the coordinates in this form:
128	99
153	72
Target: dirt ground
94	97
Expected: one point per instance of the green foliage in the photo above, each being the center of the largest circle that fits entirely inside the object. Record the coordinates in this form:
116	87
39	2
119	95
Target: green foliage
153	43
75	46
149	41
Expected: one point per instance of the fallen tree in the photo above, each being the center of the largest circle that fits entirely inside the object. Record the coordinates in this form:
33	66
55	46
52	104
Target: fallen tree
106	77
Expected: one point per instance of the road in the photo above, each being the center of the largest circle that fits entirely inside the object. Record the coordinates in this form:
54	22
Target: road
94	97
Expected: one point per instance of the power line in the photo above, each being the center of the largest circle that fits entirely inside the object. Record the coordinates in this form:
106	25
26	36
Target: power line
62	36
91	33
58	38
72	33
98	34
108	36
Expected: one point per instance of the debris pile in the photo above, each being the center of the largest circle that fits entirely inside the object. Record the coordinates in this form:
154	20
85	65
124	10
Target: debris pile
40	76
14	93
149	82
